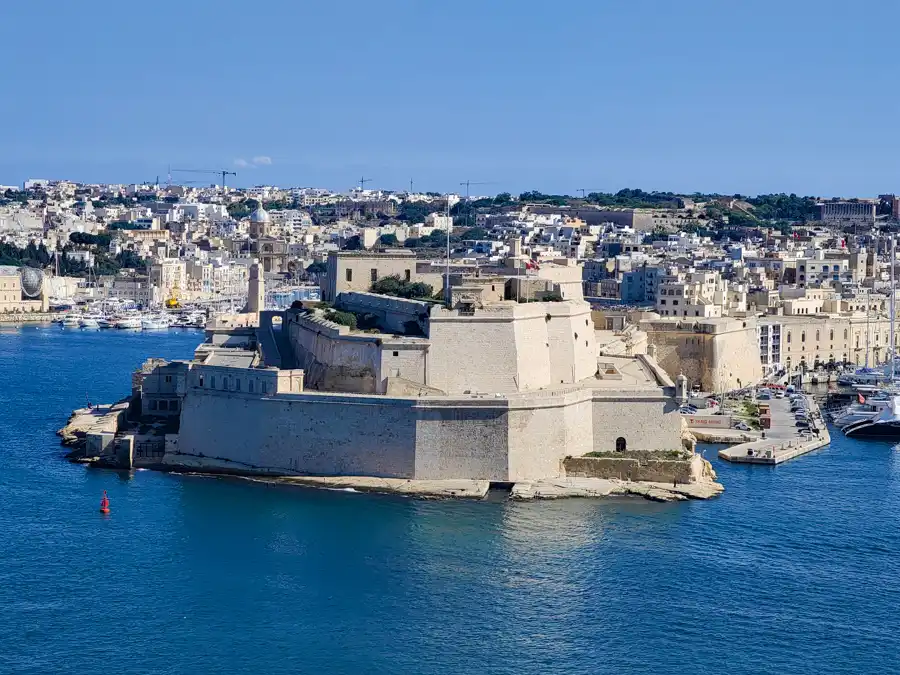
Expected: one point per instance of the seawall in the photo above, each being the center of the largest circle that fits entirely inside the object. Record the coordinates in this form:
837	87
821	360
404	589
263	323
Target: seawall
30	317
511	438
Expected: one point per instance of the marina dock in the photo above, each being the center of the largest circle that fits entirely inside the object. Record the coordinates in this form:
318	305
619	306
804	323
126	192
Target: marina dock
782	441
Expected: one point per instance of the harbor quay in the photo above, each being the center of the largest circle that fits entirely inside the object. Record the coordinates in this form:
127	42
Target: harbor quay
782	441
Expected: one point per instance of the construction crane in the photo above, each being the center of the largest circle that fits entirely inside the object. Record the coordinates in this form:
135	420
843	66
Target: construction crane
223	172
362	182
467	183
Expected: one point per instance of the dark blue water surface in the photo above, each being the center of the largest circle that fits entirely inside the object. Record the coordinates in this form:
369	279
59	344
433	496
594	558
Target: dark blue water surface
793	570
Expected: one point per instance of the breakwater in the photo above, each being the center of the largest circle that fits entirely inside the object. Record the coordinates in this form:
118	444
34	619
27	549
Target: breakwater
18	318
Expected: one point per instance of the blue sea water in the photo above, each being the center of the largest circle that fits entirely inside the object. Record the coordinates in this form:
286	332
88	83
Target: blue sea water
793	570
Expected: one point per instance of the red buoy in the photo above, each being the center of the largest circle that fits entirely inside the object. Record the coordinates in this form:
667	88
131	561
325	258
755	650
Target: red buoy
104	503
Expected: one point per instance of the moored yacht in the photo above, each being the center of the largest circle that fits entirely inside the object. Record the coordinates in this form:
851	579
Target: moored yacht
860	412
129	323
885	424
154	323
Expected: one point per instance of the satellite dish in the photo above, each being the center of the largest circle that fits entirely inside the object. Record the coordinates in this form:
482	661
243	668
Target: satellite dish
32	282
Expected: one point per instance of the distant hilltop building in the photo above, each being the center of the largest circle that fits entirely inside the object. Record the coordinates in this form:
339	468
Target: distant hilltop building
859	212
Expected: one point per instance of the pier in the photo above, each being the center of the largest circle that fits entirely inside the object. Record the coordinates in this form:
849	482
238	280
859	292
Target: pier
782	441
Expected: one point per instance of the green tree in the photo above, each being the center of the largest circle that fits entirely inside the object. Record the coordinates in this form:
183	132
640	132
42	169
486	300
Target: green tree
387	240
341	318
397	287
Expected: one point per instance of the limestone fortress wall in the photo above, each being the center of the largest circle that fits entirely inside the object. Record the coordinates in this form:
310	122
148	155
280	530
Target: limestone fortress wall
512	438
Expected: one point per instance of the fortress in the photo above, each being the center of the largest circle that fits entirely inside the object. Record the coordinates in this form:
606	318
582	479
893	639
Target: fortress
491	389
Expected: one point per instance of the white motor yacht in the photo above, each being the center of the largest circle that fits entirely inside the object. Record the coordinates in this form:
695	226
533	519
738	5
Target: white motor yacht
89	321
129	323
154	323
72	321
859	412
885	425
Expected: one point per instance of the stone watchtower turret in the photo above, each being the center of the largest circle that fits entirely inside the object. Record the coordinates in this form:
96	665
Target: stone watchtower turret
681	388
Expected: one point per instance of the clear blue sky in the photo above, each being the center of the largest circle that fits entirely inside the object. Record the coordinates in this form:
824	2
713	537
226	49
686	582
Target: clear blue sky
709	95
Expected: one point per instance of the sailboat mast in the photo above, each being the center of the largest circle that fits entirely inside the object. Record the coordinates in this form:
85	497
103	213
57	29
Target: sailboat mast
867	328
891	348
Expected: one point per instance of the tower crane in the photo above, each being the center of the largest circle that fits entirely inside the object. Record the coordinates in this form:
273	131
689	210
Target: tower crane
221	172
467	183
362	182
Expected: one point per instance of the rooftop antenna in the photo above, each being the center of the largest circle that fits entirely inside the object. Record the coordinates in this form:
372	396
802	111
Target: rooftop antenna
447	276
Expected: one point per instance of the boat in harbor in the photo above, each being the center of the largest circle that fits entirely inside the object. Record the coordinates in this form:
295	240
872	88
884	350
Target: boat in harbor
129	323
89	321
72	321
885	425
156	322
865	409
105	322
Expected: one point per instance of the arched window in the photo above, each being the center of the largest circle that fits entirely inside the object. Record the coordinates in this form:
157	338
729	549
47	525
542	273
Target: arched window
789	337
803	336
620	444
832	334
845	333
817	336
212	382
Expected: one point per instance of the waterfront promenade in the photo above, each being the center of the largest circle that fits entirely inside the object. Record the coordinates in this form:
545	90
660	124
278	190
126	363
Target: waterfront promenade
782	441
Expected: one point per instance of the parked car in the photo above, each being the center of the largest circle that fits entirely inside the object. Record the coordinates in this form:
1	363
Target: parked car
803	424
742	426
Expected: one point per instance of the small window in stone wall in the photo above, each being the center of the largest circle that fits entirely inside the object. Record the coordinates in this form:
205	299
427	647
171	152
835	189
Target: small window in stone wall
349	275
396	353
621	445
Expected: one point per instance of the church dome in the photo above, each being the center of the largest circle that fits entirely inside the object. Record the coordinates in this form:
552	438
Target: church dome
260	215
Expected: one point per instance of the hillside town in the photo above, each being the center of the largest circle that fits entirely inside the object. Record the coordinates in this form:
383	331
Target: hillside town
728	289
